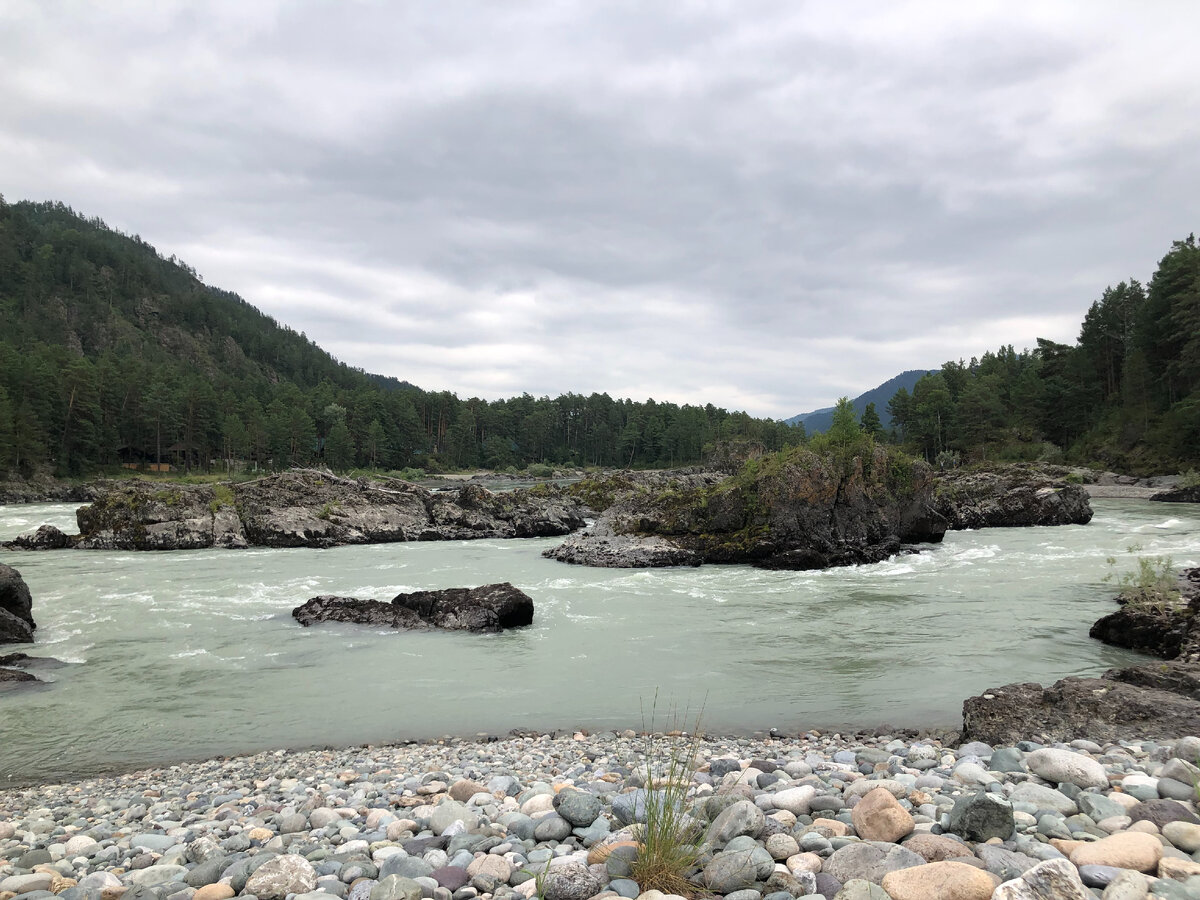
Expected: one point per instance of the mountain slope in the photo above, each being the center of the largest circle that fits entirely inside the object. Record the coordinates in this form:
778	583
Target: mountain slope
112	355
819	420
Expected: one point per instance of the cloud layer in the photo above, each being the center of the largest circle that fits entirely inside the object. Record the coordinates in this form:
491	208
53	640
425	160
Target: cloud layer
763	205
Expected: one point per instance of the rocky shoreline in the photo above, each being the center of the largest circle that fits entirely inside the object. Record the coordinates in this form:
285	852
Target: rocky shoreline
890	816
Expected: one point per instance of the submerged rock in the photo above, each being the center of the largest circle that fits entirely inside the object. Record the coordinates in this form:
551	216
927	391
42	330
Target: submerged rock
490	608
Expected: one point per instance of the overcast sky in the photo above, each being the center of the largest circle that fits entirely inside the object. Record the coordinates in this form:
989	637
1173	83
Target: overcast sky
763	205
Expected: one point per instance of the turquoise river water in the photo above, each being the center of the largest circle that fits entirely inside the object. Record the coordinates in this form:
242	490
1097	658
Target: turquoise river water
183	655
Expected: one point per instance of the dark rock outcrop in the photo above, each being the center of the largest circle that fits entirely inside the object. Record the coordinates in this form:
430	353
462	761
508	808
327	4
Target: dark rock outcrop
1015	495
306	508
47	490
16	608
1161	700
1178	495
1158	625
795	510
490	608
47	537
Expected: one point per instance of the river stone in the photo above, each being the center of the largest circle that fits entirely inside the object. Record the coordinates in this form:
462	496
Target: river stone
323	817
281	876
1171	789
448	812
156	842
155	875
878	816
1183	835
572	881
743	817
1160	812
1098	806
578	807
936	847
1007	759
1044	798
394	887
870	860
1055	879
80	845
1125	850
1067	766
464	789
630	807
491	864
732	871
404	867
207	872
861	889
781	846
551	828
1098	876
982	816
450	877
24	884
1128	885
1007	864
795	800
940	881
214	892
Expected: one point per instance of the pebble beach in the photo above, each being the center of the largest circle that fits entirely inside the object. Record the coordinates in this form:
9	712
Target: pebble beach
843	817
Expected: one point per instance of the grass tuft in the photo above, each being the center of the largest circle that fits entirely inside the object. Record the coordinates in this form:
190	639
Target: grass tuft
670	840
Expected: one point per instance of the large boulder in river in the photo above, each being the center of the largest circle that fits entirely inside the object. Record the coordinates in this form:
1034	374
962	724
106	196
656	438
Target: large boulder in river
795	510
16	608
1017	495
309	508
490	608
47	537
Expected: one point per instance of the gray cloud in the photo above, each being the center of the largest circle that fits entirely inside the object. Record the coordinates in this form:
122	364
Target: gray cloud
763	204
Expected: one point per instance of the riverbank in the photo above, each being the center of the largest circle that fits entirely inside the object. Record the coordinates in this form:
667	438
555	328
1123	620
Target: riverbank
458	819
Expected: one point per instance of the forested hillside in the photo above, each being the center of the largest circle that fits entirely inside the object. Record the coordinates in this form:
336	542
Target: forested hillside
111	354
1125	396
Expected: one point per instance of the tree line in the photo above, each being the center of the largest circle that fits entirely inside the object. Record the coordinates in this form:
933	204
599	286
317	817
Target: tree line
1125	395
113	355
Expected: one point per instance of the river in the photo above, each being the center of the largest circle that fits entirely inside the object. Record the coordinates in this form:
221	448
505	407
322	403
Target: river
185	655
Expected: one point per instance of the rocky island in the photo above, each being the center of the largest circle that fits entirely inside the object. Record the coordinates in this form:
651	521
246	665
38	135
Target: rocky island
305	508
803	510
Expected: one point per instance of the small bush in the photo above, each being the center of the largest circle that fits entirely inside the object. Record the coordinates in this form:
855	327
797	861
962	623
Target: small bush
1152	587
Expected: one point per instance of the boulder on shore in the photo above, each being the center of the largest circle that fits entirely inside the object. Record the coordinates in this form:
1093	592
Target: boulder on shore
490	608
16	608
1156	701
311	508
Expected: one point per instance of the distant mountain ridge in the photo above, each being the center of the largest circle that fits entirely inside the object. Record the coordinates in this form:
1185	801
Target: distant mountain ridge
819	420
